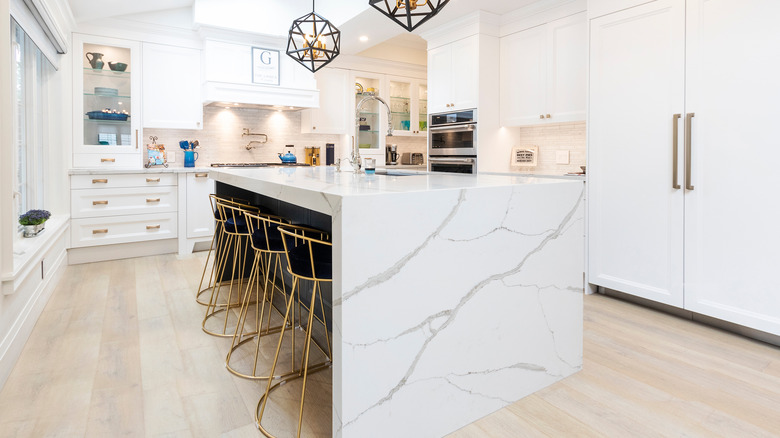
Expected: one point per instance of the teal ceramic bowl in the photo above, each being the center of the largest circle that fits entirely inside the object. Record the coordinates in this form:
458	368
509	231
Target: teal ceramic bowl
117	66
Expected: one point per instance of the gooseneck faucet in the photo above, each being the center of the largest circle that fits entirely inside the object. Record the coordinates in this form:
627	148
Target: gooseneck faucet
355	157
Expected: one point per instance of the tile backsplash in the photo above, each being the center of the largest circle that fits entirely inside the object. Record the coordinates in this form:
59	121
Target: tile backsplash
550	139
221	139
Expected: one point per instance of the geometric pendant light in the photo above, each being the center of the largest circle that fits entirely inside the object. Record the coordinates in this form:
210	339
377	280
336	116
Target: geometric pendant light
313	41
409	14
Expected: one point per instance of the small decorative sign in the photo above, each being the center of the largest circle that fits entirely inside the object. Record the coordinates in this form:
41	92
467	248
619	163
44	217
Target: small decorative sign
265	66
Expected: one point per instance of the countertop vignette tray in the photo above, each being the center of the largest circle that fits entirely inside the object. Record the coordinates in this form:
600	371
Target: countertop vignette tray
99	115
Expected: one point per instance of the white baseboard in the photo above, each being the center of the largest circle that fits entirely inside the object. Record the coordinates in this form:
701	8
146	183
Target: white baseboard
101	253
13	343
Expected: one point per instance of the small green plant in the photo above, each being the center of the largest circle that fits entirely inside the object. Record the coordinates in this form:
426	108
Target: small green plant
34	217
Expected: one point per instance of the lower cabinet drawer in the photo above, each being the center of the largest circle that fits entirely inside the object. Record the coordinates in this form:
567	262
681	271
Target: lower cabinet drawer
119	180
107	161
125	201
123	229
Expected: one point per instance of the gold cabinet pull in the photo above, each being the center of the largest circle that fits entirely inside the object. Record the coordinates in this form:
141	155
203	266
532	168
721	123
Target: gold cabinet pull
675	183
136	139
99	202
541	116
547	116
103	231
108	160
152	180
153	200
201	175
153	227
688	181
100	181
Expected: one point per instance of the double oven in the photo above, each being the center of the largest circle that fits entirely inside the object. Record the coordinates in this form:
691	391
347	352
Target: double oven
452	142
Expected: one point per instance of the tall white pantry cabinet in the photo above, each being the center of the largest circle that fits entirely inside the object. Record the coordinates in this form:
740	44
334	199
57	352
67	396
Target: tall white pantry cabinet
684	210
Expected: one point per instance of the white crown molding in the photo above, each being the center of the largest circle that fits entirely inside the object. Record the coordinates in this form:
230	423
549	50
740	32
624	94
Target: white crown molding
381	66
141	31
477	22
538	13
222	34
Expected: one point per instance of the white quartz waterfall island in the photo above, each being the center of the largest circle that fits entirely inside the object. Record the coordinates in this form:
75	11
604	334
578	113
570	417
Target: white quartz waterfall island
453	295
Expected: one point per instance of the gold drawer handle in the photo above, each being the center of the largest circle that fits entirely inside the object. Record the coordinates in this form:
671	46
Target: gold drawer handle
152	227
152	179
153	200
99	202
201	175
103	231
108	160
103	181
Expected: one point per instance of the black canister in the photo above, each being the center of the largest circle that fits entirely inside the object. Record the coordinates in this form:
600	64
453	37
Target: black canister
330	154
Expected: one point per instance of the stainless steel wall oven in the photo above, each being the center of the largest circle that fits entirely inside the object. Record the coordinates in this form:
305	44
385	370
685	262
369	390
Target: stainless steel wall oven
452	142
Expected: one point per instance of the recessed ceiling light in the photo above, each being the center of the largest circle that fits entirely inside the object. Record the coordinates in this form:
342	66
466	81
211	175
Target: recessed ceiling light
292	107
363	38
235	104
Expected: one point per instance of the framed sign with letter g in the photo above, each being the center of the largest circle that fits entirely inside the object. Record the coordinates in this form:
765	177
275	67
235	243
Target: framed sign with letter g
265	66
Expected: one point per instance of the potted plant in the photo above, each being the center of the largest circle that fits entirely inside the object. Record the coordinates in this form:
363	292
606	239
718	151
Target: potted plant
33	222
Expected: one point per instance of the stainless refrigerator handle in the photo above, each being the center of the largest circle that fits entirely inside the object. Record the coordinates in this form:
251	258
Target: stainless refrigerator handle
675	122
688	179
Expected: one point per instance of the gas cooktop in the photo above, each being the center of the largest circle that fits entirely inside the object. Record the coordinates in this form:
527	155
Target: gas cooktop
258	164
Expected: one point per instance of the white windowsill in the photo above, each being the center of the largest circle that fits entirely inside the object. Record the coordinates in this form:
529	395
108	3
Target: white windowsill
28	249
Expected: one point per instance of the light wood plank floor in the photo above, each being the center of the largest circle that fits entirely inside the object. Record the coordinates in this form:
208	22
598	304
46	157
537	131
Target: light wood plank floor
118	351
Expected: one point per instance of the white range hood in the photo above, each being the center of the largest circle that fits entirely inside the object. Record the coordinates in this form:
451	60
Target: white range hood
227	68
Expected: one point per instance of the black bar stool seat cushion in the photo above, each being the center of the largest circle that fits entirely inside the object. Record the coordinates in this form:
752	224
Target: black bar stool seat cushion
236	226
300	263
274	239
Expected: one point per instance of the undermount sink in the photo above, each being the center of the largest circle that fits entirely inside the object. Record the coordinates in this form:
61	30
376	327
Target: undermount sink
385	172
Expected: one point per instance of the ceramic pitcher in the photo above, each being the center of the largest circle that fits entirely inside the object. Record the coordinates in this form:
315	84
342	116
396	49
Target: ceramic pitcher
96	61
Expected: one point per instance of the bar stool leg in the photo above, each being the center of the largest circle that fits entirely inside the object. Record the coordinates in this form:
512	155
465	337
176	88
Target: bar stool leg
212	248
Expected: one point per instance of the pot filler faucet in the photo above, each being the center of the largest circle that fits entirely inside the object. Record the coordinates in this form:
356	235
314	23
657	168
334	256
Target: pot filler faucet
355	157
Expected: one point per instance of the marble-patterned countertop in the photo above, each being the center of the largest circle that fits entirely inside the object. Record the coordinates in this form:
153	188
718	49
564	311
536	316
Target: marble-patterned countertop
153	170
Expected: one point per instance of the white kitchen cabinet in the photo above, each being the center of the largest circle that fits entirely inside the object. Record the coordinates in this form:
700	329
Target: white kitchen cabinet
408	100
543	73
122	208
331	117
172	87
200	218
664	227
107	103
453	75
372	119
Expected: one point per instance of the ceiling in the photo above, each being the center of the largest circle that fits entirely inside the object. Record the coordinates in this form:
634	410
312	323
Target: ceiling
354	18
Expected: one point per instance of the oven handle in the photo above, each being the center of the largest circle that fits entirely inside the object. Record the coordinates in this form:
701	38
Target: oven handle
457	128
451	160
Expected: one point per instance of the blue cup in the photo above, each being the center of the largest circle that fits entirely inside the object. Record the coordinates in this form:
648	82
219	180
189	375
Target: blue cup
189	158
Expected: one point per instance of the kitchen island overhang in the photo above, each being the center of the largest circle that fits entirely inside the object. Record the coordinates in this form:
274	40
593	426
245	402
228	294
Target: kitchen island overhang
453	295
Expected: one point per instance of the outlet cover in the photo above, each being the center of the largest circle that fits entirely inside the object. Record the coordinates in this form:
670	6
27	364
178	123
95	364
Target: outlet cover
561	157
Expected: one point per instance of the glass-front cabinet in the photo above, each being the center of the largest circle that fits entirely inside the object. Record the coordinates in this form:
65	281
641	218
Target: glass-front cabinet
409	105
372	116
107	120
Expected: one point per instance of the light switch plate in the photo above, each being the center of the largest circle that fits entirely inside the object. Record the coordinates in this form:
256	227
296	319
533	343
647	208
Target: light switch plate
561	157
171	156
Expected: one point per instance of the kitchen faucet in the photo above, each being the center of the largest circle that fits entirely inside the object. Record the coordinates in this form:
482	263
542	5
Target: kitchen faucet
355	157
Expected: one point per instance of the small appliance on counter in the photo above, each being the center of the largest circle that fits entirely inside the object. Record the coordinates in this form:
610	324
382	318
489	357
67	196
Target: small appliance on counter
312	156
288	157
330	154
391	154
412	158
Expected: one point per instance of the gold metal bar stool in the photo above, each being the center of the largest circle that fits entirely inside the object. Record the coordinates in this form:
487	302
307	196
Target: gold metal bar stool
236	241
309	257
266	241
217	239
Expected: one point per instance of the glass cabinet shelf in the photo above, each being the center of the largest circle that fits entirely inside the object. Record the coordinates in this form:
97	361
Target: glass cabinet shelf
106	72
106	95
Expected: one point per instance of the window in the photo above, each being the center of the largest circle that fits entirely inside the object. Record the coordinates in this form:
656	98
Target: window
31	71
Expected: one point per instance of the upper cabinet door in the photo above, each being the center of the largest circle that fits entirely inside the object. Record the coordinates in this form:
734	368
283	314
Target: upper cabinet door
439	78
107	100
172	87
335	95
465	73
543	73
567	61
523	77
637	80
732	213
